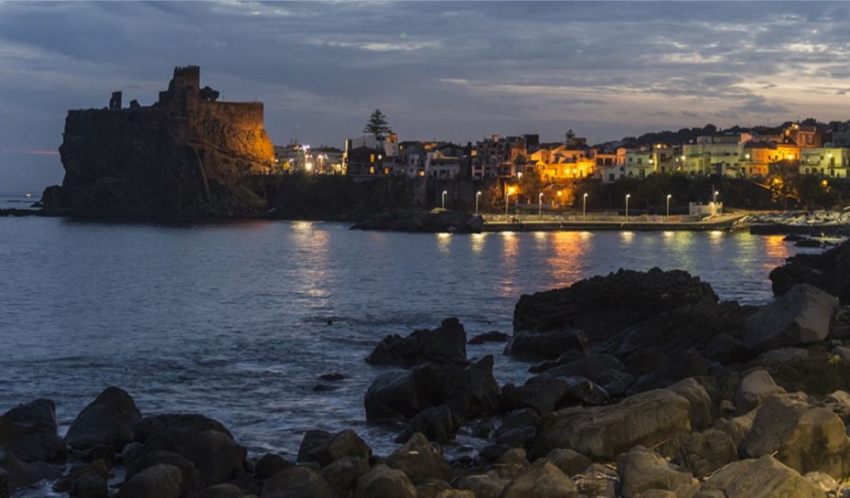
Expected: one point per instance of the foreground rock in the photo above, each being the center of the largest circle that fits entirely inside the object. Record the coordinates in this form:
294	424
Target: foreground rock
761	478
603	306
108	421
29	431
468	391
599	432
445	344
642	470
803	315
829	271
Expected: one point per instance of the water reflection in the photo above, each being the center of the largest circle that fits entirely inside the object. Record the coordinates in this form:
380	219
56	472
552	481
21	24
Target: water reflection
509	263
477	241
567	256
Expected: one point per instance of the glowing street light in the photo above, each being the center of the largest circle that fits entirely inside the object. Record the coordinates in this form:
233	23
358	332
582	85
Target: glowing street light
477	196
668	207
714	198
540	206
583	207
444	198
508	193
627	207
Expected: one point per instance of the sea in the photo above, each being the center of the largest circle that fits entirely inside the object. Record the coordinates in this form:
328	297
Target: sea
237	321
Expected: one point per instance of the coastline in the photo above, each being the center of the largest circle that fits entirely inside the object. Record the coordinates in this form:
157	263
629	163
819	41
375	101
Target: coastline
680	349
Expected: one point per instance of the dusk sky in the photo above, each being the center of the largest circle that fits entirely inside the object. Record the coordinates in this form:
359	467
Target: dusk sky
453	71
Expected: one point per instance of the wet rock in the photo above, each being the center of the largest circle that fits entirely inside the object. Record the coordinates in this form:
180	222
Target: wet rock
828	271
29	431
332	377
542	480
89	485
604	306
642	470
469	391
269	465
568	461
432	489
483	485
705	452
108	420
764	477
436	423
445	344
727	349
599	432
324	448
342	474
420	460
191	477
385	482
681	365
803	315
539	394
297	482
754	389
803	437
492	336
160	481
518	437
219	491
19	473
702	408
545	345
204	441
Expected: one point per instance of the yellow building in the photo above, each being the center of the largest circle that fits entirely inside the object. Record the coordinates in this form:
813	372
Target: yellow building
562	163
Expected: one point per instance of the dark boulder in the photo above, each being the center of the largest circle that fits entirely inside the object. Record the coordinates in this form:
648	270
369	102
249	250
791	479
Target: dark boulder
679	366
545	345
420	460
108	420
19	474
342	475
469	391
269	465
604	306
384	482
829	271
492	336
297	482
160	481
803	315
204	441
325	448
191	477
29	431
437	423
445	344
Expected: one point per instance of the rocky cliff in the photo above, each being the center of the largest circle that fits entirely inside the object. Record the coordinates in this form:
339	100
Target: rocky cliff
186	156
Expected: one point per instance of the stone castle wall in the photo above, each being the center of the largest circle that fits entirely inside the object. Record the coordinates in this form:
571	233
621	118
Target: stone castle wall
235	127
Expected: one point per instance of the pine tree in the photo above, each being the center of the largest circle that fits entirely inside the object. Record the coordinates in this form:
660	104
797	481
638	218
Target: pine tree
377	125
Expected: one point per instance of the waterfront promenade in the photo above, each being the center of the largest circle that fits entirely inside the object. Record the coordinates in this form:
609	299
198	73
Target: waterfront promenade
531	223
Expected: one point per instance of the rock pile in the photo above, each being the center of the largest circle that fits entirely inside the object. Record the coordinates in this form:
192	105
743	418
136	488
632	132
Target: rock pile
647	387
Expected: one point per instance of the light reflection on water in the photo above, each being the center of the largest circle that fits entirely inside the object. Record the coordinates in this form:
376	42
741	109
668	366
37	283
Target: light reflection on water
232	320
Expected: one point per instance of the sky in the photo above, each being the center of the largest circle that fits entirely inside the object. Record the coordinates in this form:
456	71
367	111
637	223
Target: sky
438	70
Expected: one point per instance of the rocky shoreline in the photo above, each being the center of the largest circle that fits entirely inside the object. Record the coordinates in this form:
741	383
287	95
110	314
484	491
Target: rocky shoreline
641	385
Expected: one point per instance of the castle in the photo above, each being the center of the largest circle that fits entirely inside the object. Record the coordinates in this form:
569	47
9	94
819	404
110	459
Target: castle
186	154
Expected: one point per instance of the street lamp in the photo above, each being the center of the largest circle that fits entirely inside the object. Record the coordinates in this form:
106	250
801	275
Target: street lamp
508	193
477	196
584	207
714	198
668	207
444	198
540	206
627	207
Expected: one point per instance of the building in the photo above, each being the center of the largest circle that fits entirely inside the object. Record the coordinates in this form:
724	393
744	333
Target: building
833	162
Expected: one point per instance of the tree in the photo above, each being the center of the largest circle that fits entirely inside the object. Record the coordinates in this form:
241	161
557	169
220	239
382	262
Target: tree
208	94
377	125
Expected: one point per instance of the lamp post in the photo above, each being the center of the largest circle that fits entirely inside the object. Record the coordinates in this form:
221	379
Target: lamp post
477	196
668	207
714	197
508	193
540	206
627	207
584	207
443	200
